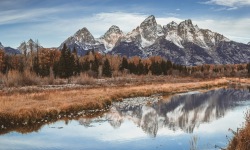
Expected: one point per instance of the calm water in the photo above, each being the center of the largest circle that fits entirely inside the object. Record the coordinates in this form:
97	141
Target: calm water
145	123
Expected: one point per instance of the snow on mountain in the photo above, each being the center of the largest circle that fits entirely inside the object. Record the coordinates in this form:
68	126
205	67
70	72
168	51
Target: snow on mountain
27	47
1	46
146	34
172	35
110	38
187	32
248	43
83	41
180	112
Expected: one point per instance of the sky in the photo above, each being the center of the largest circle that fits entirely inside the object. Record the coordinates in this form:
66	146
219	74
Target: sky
53	21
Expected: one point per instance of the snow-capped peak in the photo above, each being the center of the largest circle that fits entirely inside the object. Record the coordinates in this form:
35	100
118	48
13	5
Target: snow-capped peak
248	43
187	23
27	47
110	38
149	22
149	31
83	35
1	46
114	29
30	41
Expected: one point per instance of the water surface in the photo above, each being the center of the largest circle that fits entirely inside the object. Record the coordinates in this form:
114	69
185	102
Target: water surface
145	123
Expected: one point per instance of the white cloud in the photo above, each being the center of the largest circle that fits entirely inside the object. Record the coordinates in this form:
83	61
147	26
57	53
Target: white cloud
234	29
229	3
18	16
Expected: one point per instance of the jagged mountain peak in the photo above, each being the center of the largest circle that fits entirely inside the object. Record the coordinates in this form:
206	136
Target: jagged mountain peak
170	26
26	47
83	35
1	46
30	41
110	38
149	31
82	31
150	21
172	23
83	41
115	29
187	22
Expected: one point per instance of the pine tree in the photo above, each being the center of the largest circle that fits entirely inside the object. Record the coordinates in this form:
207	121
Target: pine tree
85	66
146	70
77	66
156	68
36	68
248	69
107	69
140	68
95	65
164	67
66	63
124	64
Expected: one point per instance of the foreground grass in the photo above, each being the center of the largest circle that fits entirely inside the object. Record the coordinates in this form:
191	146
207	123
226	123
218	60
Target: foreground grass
241	140
28	108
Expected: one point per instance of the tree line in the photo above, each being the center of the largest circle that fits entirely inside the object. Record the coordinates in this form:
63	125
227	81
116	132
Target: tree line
66	63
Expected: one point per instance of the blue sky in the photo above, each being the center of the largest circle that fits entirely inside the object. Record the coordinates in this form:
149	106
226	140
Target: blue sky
52	21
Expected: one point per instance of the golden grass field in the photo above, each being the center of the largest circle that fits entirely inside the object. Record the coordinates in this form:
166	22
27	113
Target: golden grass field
35	105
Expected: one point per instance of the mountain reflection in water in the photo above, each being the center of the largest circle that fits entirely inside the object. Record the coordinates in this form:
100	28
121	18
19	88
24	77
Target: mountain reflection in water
180	112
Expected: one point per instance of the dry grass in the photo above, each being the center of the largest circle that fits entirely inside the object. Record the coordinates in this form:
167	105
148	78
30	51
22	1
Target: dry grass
16	79
83	79
32	106
241	141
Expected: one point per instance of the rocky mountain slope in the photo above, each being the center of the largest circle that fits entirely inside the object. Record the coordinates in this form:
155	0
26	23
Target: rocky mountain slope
110	38
83	41
1	46
9	50
182	43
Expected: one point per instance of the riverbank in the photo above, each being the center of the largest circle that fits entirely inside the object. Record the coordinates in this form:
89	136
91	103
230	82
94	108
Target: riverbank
28	105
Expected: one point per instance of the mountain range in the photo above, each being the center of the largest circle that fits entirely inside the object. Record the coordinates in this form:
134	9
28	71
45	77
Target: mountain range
183	43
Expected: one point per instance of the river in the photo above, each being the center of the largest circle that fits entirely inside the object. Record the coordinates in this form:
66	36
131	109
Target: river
202	119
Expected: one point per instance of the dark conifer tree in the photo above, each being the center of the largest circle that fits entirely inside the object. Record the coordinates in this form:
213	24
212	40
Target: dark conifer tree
77	66
156	68
36	68
85	66
132	68
66	63
145	70
95	65
248	69
140	68
124	64
107	69
164	67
